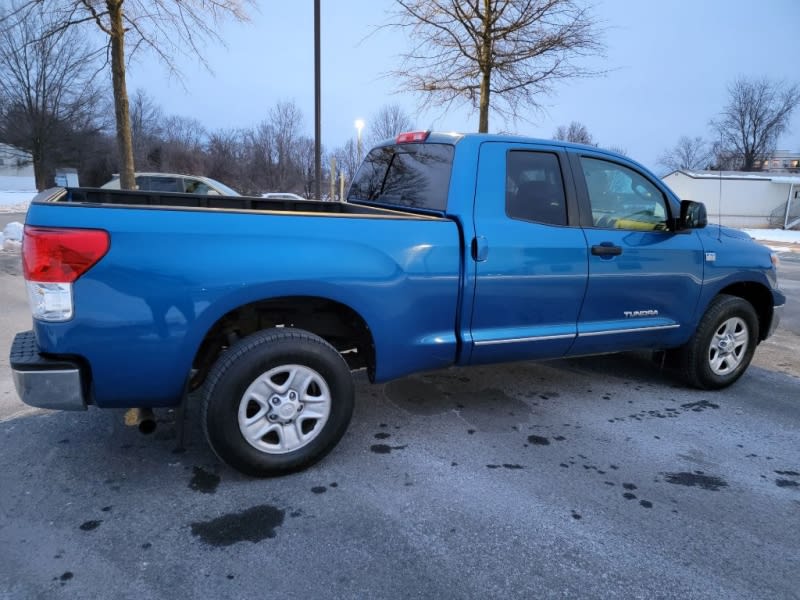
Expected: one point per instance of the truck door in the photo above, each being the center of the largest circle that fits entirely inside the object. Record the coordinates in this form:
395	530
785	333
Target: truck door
528	253
644	280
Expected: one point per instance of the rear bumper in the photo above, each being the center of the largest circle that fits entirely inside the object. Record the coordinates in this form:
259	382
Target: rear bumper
45	382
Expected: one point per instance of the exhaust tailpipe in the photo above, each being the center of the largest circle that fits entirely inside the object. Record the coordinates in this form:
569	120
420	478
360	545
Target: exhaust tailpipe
141	418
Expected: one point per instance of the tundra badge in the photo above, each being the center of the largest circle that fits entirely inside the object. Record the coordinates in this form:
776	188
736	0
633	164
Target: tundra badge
640	313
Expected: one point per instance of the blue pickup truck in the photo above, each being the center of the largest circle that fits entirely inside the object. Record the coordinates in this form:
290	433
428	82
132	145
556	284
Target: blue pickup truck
450	250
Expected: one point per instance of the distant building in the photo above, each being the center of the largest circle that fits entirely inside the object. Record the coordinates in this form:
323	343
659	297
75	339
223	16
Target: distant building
16	170
15	162
780	161
741	199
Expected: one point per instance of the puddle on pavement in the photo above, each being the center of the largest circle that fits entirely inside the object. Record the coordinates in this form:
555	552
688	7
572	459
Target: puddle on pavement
203	481
251	525
696	479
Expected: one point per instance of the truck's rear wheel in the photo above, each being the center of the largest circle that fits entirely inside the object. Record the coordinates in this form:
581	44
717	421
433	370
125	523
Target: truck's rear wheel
723	345
277	401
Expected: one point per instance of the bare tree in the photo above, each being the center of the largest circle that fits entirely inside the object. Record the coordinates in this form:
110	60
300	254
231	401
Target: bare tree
146	130
183	142
500	53
47	87
618	149
347	159
689	153
259	158
757	113
576	132
165	27
223	158
286	121
389	121
306	157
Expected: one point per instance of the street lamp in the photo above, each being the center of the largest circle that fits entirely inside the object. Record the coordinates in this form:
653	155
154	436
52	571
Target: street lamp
359	127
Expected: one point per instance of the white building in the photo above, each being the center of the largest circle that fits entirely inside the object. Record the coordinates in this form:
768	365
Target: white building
741	199
780	161
16	169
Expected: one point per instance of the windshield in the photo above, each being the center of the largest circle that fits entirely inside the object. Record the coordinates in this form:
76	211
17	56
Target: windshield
223	189
412	175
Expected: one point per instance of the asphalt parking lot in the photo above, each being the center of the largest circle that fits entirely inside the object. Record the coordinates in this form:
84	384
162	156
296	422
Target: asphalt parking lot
591	478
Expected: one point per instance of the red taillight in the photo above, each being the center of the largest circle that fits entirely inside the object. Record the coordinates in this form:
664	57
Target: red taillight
412	136
53	255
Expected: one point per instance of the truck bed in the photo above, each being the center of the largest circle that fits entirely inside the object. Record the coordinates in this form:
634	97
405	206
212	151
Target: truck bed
128	198
180	266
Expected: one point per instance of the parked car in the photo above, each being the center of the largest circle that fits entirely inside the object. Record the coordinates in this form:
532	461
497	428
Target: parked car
172	182
282	196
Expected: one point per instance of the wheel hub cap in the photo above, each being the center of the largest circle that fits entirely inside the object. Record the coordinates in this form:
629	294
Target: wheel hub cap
287	410
728	346
284	409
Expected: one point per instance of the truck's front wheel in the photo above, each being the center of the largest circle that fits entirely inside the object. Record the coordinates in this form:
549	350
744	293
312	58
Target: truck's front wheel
277	401
723	345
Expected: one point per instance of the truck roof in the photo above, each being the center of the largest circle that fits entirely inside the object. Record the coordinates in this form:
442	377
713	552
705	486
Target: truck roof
452	137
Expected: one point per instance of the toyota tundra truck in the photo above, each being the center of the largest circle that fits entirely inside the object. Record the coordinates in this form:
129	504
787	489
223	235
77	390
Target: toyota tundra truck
449	250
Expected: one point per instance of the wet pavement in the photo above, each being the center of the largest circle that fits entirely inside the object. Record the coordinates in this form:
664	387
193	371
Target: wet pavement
591	478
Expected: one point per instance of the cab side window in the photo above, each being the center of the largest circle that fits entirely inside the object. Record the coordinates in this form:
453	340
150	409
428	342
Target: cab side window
534	188
621	198
158	184
195	186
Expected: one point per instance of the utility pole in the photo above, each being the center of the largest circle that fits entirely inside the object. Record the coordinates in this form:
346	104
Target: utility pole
317	108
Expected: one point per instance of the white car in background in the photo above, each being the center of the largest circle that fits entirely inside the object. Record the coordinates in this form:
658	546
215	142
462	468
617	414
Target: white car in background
282	196
172	182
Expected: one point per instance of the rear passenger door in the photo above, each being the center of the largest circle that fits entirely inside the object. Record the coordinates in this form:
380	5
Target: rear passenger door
528	252
644	279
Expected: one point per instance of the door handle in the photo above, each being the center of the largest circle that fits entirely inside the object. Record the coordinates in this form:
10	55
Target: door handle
606	249
480	249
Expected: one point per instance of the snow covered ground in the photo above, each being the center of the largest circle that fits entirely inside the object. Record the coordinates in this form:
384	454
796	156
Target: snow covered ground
16	193
12	202
16	201
791	236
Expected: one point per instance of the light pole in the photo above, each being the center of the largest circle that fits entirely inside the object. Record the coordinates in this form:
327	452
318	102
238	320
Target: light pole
317	107
359	127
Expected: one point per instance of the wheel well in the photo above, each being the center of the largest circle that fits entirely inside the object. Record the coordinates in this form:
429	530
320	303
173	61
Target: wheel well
759	297
337	324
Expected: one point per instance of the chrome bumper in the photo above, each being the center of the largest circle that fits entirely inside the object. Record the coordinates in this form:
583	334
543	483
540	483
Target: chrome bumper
45	382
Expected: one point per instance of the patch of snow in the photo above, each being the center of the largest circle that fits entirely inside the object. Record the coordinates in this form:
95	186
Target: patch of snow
13	231
15	201
17	184
790	236
12	245
726	175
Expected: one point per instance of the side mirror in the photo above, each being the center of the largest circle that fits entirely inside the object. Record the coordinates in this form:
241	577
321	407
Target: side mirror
693	215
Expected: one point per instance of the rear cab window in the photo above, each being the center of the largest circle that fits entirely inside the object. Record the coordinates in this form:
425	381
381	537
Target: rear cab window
415	175
535	188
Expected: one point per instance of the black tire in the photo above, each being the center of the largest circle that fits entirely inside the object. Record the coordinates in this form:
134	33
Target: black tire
246	368
714	358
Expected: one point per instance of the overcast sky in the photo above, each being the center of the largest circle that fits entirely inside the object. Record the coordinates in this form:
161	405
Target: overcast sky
669	64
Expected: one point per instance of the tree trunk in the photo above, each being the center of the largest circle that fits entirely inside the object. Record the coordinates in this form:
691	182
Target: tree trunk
486	69
483	119
39	175
121	109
